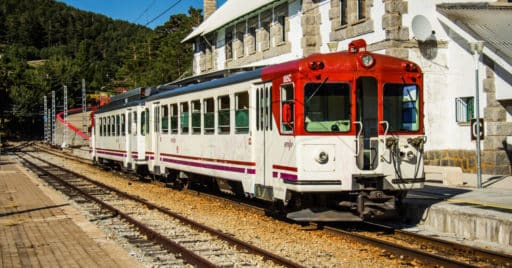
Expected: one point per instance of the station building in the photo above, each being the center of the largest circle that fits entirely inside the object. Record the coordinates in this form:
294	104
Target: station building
443	37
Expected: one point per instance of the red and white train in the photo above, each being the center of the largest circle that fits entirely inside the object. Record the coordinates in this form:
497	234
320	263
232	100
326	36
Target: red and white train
330	137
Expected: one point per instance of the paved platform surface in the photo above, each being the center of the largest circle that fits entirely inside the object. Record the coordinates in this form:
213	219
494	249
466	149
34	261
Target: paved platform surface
38	228
474	216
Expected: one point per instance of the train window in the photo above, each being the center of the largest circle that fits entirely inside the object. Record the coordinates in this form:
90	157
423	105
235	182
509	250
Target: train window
287	108
156	119
129	123
100	126
165	118
174	118
144	122
209	114
135	114
123	125
223	119
327	107
105	126
242	112
109	127
196	117
118	122
184	115
401	107
269	108
258	109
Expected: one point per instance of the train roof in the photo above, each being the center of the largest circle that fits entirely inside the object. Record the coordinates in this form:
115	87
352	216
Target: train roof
127	99
233	79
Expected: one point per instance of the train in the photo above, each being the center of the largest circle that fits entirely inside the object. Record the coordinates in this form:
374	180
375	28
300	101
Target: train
329	137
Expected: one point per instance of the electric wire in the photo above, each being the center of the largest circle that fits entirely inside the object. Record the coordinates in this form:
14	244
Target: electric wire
161	14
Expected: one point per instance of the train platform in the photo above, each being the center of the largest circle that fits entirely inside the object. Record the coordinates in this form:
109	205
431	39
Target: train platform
38	228
464	213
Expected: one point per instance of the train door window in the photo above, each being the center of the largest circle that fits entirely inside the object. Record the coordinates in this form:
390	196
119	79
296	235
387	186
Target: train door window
118	123
223	115
129	123
401	107
242	112
258	112
327	107
174	118
113	122
135	114
184	115
196	116
105	126
269	108
100	126
144	122
123	125
165	118
209	116
287	108
109	126
156	119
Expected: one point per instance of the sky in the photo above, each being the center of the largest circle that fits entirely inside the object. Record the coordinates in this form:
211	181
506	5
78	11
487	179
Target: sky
151	13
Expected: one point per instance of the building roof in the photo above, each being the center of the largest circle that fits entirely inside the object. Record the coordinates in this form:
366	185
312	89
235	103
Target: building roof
228	12
490	23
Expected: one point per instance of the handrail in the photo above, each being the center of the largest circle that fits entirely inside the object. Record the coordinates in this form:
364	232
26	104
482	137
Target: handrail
358	136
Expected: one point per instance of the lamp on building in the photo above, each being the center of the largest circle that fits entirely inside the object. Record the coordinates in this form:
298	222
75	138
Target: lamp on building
477	48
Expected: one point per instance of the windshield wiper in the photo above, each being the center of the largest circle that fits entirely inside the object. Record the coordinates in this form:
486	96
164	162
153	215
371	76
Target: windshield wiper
316	90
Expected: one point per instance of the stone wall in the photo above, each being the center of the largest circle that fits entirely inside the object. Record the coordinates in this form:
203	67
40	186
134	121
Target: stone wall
310	23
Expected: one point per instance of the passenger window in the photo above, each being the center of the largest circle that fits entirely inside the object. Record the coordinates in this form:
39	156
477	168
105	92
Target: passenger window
100	126
184	115
165	118
242	112
196	117
209	123
223	115
174	118
123	125
109	127
144	122
287	108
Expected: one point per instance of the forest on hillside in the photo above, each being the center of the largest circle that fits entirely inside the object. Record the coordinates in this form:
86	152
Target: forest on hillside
46	44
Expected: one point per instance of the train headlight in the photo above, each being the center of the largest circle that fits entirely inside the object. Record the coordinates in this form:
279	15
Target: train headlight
322	157
367	60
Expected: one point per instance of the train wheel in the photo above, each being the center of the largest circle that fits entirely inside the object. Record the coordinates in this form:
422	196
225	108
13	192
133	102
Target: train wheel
276	210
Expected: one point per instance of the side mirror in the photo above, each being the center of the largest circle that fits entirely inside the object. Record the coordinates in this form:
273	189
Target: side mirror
287	113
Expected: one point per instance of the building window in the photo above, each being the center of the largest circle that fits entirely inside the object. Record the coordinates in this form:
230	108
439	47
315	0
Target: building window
361	9
196	117
240	32
184	115
165	118
464	109
228	39
174	118
281	12
242	112
343	12
251	38
208	113
266	21
223	115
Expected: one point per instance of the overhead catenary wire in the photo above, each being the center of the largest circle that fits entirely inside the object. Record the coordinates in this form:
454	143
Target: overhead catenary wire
161	14
145	10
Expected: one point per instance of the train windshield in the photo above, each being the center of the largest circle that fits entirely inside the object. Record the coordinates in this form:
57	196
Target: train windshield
401	107
327	107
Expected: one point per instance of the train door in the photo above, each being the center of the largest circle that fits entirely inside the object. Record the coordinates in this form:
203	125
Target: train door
263	141
129	138
155	138
367	143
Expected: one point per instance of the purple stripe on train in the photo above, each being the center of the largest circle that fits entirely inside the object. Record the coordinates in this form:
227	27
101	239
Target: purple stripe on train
211	166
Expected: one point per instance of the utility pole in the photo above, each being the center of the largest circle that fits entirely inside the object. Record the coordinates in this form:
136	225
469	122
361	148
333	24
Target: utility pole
65	134
45	118
53	117
477	48
84	108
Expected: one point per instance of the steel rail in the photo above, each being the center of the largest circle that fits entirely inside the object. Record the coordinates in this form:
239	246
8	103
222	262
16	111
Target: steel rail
267	255
189	256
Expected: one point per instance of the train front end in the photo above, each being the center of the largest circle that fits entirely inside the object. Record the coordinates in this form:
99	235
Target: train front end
357	135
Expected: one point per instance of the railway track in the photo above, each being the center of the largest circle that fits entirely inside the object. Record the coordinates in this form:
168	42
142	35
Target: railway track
152	230
427	250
